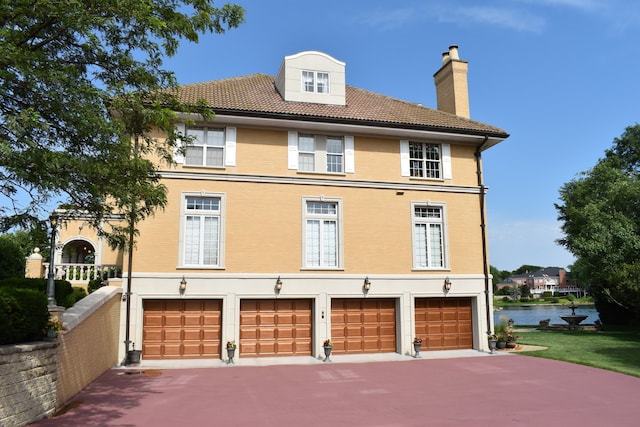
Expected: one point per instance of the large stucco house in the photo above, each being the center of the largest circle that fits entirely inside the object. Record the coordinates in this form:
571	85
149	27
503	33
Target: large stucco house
308	210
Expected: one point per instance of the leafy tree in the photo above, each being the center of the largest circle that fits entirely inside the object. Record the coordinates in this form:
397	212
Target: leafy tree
81	86
600	212
525	268
12	261
498	275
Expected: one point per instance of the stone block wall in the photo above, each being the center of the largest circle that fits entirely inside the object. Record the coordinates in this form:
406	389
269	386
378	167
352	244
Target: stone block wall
27	382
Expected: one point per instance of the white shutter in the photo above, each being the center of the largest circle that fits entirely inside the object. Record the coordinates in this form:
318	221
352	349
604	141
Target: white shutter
230	146
349	155
178	156
293	150
446	161
404	157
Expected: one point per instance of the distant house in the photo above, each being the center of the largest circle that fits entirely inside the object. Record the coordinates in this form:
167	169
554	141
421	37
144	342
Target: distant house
307	210
548	279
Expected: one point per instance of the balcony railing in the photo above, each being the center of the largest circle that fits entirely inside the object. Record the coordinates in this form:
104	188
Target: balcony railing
84	272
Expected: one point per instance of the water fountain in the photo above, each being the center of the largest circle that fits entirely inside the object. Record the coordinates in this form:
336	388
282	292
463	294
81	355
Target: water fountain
573	320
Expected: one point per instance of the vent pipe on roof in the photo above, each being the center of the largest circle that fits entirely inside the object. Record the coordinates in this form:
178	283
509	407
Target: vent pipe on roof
451	84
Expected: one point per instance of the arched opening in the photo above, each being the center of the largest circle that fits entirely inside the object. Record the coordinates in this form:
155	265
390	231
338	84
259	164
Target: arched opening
78	252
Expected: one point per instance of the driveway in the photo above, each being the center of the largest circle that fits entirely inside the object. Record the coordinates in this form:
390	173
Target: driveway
491	390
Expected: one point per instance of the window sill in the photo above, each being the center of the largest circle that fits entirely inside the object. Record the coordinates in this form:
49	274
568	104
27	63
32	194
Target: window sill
203	167
200	267
321	268
322	173
420	178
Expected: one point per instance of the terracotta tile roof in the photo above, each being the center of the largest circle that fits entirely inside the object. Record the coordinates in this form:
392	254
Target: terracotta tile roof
256	95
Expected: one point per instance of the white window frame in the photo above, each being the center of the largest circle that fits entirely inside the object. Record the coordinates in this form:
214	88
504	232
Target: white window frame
315	82
219	214
320	154
228	147
444	161
422	253
323	218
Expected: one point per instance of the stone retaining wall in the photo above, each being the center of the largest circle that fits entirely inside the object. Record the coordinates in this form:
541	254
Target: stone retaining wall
27	382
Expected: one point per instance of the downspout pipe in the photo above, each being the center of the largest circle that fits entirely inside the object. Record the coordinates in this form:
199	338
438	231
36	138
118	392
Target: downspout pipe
488	287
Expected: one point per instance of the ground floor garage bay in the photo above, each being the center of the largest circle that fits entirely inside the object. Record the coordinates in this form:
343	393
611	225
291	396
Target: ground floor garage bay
198	329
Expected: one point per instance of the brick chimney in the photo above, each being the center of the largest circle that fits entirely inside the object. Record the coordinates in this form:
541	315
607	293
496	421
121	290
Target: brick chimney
451	84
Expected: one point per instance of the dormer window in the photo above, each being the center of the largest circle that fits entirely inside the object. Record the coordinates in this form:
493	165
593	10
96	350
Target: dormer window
315	82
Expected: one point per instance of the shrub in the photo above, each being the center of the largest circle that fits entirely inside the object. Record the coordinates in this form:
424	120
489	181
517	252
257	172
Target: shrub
571	297
75	296
23	315
62	288
95	284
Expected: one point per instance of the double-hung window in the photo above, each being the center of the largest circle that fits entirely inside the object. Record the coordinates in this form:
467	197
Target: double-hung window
335	154
206	147
425	160
321	234
321	153
315	82
202	231
307	153
428	236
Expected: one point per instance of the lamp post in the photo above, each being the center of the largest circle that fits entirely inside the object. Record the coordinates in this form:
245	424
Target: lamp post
51	287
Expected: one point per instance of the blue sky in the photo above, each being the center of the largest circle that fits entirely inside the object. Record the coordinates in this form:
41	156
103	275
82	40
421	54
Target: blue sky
561	76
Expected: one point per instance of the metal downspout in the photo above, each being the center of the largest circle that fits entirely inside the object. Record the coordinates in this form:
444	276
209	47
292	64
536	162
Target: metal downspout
488	289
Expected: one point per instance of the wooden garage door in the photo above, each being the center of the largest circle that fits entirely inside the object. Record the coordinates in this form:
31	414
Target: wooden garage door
183	329
444	323
279	327
363	325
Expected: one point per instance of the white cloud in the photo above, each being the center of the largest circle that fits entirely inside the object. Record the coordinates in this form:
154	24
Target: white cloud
518	20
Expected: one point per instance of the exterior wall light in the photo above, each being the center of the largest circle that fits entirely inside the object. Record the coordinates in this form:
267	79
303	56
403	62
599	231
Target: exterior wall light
367	284
447	285
183	285
278	285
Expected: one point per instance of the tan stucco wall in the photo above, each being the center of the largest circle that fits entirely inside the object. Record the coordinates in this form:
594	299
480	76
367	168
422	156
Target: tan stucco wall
263	228
90	345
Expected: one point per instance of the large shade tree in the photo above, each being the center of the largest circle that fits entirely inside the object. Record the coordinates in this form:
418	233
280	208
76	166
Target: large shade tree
82	84
600	215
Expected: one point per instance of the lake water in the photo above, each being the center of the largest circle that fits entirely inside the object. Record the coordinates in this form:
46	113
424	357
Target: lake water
532	315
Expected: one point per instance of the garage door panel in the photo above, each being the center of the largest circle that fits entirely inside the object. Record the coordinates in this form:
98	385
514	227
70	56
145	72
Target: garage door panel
173	305
387	330
171	319
285	319
301	318
353	317
192	320
280	327
192	335
285	333
153	320
172	349
210	334
248	334
174	329
248	318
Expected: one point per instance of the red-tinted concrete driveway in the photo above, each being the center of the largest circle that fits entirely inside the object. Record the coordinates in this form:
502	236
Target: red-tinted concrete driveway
478	391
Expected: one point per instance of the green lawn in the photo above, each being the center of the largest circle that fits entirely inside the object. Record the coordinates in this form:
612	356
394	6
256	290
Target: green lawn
615	350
